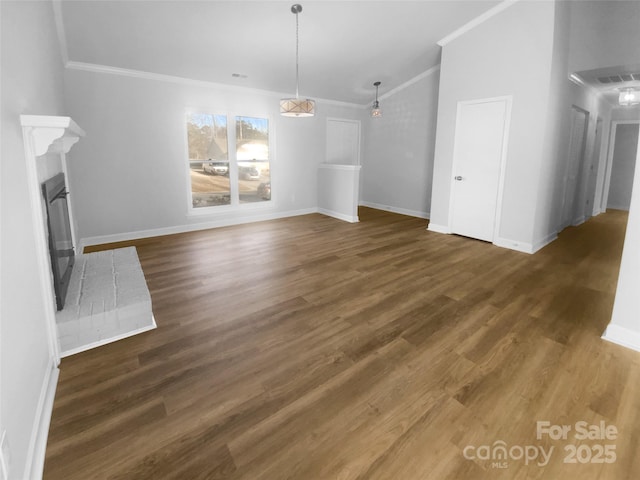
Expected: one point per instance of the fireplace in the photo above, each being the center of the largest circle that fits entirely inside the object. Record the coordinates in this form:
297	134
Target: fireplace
60	241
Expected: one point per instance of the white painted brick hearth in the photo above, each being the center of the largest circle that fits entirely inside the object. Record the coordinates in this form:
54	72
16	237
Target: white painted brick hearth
107	300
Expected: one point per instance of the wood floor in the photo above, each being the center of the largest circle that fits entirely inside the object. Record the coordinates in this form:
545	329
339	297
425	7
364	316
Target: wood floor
309	348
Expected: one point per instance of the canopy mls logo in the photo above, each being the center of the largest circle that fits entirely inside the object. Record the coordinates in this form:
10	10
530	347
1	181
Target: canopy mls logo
500	454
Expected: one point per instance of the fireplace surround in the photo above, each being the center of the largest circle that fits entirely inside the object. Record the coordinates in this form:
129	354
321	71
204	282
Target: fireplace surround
107	297
47	141
61	252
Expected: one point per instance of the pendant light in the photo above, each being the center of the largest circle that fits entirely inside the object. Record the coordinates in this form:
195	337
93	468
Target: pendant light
376	111
297	107
629	97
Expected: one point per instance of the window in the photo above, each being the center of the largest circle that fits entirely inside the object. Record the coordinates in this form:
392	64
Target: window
252	155
208	160
216	179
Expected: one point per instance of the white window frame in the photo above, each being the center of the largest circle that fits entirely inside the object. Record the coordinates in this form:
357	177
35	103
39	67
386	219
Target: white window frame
235	204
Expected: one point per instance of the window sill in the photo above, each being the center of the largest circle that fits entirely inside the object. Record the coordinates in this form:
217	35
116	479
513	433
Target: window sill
227	209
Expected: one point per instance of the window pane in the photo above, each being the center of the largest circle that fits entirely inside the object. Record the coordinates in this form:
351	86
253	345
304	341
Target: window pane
252	153
208	159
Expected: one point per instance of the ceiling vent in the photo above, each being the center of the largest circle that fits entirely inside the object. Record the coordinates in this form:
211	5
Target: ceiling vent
624	77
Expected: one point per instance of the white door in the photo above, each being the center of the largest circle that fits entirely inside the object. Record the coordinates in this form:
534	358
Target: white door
343	141
571	208
478	156
593	172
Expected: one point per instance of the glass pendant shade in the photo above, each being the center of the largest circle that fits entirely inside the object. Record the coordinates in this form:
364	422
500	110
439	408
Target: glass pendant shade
297	107
629	97
376	111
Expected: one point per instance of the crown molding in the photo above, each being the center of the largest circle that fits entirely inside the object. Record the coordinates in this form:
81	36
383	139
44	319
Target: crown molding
492	12
577	79
408	83
160	77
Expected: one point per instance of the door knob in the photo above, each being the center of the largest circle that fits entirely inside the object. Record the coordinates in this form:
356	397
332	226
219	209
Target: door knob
458	178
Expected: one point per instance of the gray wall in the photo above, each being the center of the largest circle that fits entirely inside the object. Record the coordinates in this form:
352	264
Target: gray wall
397	160
31	84
625	322
550	193
129	173
509	54
604	34
623	166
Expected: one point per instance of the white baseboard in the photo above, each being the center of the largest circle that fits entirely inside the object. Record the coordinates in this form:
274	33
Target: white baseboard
624	208
523	247
99	343
545	241
157	232
622	336
339	216
433	227
402	211
40	432
579	221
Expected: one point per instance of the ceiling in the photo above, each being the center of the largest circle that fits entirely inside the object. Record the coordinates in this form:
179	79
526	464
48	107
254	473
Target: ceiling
345	46
611	81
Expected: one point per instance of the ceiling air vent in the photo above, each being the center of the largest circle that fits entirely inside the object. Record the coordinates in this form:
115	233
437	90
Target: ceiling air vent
624	77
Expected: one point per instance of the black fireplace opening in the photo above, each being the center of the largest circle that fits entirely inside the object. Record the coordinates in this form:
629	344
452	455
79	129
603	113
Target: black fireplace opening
55	194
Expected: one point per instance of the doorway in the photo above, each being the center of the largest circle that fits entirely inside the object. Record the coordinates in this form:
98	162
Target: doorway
478	167
590	202
572	208
621	165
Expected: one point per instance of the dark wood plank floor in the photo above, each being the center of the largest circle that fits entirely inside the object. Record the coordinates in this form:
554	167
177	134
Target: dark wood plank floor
308	348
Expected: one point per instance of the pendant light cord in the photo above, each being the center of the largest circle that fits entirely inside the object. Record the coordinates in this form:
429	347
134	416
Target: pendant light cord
297	48
297	107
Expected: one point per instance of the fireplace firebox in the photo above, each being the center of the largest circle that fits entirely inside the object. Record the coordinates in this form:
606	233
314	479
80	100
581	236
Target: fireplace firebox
61	250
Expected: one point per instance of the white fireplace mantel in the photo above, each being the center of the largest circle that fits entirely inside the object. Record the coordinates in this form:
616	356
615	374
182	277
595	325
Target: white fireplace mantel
44	134
51	134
